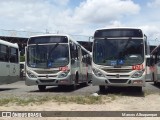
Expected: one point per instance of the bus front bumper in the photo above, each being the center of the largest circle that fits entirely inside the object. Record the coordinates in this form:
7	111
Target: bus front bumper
96	81
48	81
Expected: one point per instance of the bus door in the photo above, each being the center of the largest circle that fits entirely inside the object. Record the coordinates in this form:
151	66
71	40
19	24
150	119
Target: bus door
14	64
84	66
74	60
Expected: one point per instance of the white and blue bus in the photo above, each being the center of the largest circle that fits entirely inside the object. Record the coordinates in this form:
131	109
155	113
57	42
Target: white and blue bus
119	58
9	62
56	60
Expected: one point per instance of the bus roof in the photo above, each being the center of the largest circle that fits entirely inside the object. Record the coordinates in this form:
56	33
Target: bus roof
69	37
107	28
15	45
49	35
43	35
119	32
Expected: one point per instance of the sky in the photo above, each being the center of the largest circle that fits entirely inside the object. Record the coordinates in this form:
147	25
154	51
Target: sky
81	17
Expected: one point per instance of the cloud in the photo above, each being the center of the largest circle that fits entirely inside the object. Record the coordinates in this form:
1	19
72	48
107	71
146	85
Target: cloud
31	14
102	11
152	32
57	16
115	24
154	4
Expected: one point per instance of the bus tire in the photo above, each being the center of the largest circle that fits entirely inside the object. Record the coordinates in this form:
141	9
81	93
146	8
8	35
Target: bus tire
42	88
155	82
102	88
76	78
86	83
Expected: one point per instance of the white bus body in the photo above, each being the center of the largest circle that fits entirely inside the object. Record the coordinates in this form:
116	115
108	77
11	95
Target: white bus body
9	62
56	60
119	58
155	65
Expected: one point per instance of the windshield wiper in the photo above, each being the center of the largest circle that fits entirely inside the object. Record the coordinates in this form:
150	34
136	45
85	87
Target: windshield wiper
49	63
124	48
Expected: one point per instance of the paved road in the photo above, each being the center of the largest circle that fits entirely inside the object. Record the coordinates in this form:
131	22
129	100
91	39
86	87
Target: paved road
20	89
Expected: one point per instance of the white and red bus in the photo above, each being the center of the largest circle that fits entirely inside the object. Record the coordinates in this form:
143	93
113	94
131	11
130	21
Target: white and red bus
119	58
56	60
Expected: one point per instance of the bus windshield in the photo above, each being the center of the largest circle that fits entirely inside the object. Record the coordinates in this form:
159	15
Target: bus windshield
118	52
48	56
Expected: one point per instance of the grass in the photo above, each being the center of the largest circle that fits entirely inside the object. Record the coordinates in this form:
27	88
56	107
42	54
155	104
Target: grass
38	100
58	99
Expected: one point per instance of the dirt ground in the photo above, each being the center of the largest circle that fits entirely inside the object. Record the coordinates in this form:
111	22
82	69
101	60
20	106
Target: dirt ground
122	103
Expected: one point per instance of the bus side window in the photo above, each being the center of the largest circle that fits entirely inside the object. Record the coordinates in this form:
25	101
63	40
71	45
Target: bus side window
4	53
72	51
83	56
13	55
75	52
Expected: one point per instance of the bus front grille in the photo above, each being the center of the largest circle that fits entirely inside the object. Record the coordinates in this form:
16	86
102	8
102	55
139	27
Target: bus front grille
118	80
114	76
117	70
46	72
44	81
46	76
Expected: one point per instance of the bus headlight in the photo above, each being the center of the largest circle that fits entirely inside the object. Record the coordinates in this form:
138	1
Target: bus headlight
98	73
31	75
138	74
63	74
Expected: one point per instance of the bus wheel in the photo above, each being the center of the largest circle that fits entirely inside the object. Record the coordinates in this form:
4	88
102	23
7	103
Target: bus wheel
41	88
87	82
102	88
155	82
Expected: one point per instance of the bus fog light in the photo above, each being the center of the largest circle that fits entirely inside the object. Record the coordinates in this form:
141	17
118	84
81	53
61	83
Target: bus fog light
137	82
138	74
63	81
98	73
